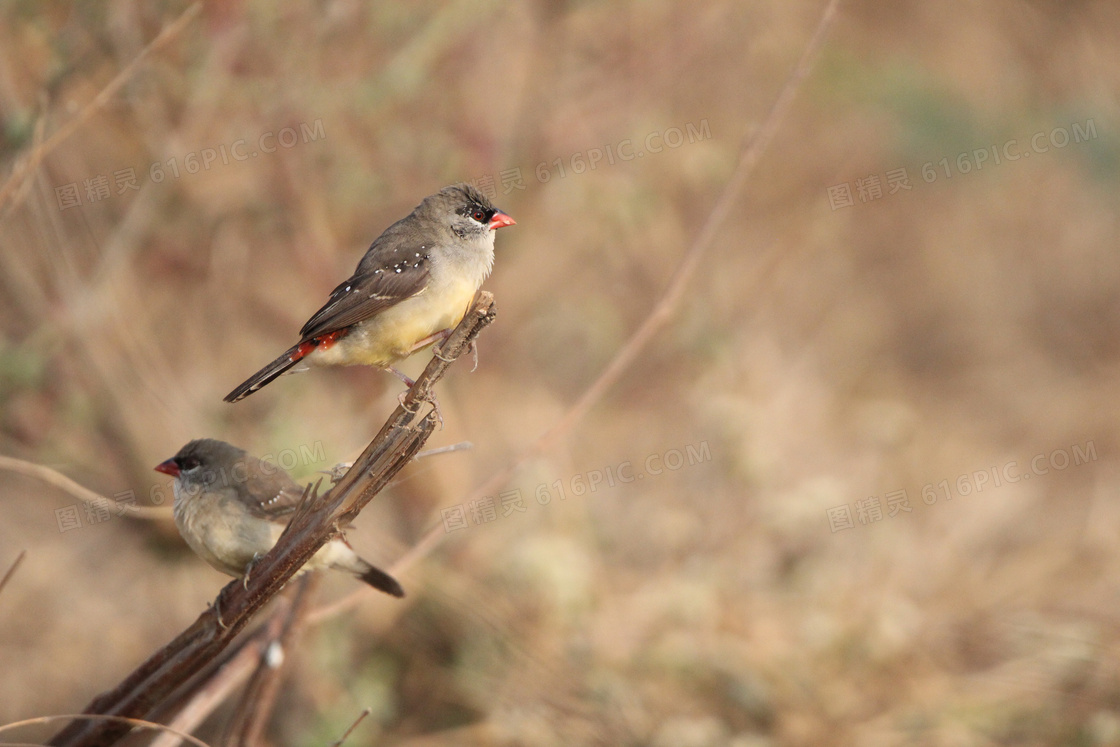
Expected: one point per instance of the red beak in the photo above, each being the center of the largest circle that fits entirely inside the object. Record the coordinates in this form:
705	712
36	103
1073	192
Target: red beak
500	219
168	468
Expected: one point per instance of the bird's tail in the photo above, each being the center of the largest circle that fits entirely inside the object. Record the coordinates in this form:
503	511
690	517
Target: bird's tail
339	555
375	577
381	581
265	376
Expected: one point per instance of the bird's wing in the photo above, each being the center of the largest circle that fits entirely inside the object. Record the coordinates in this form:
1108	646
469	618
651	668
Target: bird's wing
271	492
386	276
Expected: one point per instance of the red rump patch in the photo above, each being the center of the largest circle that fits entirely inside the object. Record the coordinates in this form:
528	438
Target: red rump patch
325	341
322	341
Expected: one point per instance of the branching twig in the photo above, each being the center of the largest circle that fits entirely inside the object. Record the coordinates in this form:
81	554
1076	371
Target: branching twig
37	154
81	492
316	523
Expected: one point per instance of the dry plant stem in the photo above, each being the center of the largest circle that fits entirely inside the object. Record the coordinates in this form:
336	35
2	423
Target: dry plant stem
127	722
12	569
55	478
62	482
37	154
201	701
259	697
754	145
317	520
461	446
194	702
353	726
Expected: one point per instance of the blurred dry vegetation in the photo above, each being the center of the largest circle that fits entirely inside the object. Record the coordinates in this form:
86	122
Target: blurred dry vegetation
823	356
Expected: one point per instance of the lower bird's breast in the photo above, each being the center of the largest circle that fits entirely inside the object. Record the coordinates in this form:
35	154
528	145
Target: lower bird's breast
217	529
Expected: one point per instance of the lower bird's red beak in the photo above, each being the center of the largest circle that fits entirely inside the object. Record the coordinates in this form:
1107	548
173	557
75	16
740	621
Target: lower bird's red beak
168	468
500	219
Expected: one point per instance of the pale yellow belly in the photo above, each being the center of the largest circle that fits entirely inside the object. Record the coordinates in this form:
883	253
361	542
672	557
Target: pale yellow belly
391	335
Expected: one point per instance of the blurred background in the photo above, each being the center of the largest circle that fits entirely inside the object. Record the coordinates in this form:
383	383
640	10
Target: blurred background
861	490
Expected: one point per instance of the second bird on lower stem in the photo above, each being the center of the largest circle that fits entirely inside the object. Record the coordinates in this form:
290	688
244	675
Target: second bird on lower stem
231	508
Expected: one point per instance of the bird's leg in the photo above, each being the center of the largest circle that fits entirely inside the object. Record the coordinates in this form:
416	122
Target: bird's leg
245	578
442	335
400	398
447	333
435	408
217	607
431	398
407	381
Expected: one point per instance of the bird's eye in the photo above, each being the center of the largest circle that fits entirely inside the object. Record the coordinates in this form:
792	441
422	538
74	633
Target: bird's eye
189	463
479	215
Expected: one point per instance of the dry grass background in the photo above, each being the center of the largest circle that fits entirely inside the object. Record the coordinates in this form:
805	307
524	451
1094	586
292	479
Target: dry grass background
824	356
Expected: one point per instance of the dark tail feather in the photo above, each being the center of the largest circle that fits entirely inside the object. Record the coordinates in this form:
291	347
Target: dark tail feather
265	375
382	581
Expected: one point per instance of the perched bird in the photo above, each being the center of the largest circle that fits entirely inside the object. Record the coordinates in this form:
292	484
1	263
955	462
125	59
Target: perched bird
231	508
411	288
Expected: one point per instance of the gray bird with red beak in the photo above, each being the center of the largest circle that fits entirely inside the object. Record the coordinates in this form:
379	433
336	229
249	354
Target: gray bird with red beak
411	288
231	508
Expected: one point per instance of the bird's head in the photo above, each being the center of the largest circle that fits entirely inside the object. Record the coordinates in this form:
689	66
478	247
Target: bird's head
466	213
202	463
